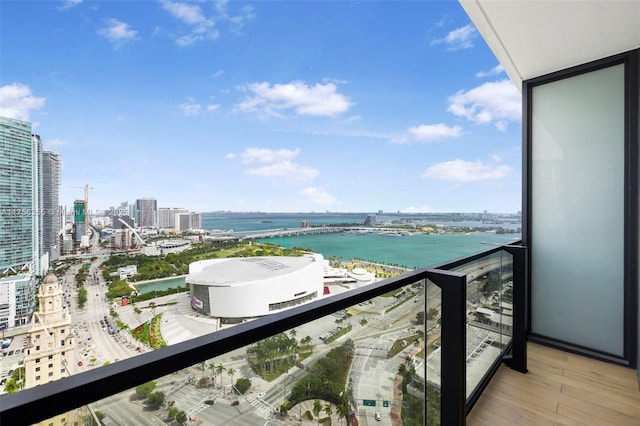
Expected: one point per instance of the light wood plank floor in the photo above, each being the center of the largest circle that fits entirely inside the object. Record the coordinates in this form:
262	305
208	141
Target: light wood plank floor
559	389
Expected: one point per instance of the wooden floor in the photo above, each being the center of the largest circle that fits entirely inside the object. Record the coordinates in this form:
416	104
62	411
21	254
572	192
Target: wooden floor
559	389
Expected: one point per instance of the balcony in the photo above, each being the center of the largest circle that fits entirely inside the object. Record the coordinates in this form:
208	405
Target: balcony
560	388
370	354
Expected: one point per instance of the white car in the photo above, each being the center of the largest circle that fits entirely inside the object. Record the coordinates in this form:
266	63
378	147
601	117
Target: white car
261	395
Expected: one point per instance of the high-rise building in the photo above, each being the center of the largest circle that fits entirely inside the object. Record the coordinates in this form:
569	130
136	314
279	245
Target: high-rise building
167	217
147	212
79	220
195	220
39	267
182	221
20	224
51	217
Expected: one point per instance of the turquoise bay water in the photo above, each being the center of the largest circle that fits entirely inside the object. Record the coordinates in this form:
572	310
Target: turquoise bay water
161	284
414	251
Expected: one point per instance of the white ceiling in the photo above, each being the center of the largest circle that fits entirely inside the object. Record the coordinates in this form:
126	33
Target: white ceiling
531	38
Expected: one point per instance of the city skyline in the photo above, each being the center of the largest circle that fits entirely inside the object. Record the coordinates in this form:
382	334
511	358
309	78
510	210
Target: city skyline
268	106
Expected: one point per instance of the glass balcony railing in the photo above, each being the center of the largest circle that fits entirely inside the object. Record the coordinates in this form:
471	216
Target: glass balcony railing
372	353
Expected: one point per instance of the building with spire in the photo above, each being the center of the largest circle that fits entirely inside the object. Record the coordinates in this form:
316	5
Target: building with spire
51	343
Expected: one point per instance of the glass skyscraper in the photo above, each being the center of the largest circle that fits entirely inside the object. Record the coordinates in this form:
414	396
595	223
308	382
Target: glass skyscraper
20	220
51	220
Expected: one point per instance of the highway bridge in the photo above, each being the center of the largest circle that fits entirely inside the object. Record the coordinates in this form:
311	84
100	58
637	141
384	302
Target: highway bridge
289	232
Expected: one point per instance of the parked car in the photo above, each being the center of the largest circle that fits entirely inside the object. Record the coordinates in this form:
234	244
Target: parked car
377	416
235	403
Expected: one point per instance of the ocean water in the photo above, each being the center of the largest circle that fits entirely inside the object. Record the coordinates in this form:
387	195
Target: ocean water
413	251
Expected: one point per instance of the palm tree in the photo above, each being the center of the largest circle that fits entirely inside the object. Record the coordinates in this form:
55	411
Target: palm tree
212	366
219	370
317	407
293	333
137	312
152	306
231	372
342	410
327	409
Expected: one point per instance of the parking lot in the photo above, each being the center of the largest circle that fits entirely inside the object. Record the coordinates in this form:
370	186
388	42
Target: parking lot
11	358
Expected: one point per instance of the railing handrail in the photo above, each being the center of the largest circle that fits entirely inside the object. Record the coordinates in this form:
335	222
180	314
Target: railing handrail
32	405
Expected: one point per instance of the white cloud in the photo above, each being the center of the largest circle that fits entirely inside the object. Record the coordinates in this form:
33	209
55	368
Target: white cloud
237	21
497	102
466	171
68	4
190	108
460	38
429	133
188	13
303	99
264	155
201	25
498	69
117	32
16	101
277	164
230	156
217	73
286	170
318	196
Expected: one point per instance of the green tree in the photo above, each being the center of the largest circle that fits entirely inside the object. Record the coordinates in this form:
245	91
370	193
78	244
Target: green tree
328	409
343	410
137	312
146	388
420	317
317	407
433	312
181	417
219	369
242	385
155	399
82	297
173	413
230	373
152	306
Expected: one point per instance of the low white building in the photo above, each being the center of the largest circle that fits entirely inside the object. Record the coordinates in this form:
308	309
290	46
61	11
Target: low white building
160	248
128	271
234	289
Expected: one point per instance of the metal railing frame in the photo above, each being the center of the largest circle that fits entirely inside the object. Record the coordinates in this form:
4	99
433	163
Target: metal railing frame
33	405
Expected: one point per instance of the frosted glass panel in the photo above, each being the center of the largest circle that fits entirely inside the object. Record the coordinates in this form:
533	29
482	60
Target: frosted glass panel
577	210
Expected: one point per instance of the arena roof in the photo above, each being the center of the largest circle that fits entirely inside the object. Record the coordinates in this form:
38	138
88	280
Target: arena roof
239	270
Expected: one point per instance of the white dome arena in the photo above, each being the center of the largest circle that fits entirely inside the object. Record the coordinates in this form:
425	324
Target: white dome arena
247	287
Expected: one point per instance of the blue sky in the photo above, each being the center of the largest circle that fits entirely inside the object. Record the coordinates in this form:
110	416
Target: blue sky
288	106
